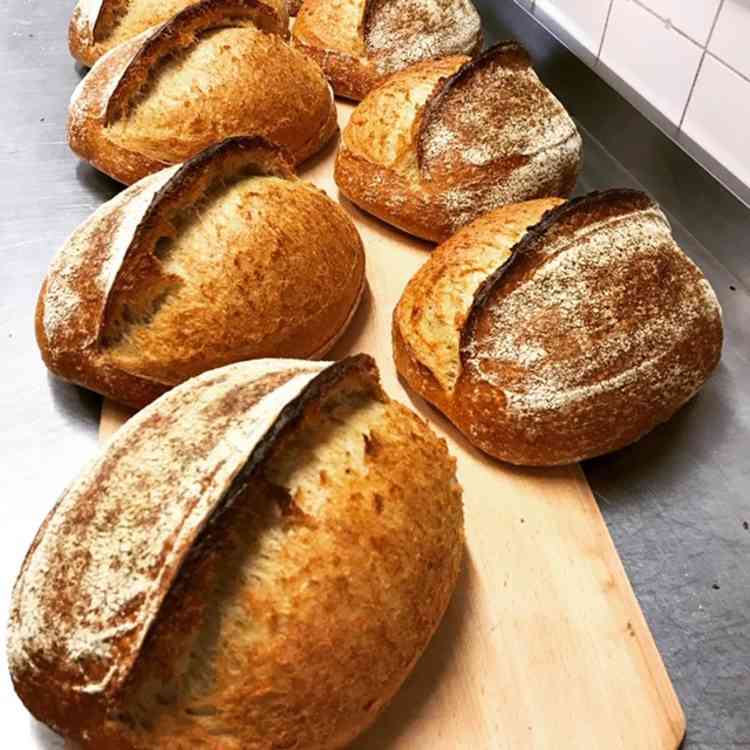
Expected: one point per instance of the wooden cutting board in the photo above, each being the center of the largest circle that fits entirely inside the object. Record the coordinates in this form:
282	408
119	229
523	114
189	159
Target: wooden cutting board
544	644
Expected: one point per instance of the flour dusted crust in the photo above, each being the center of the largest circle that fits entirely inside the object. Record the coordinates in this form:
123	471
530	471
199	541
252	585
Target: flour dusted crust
217	69
224	258
257	559
97	26
359	43
549	338
445	141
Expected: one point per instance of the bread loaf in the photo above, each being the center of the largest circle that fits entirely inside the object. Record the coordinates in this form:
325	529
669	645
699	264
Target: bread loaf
359	43
98	26
227	257
256	561
446	141
562	341
215	70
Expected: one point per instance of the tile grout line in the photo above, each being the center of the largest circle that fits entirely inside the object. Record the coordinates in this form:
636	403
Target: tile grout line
699	68
668	22
742	75
604	32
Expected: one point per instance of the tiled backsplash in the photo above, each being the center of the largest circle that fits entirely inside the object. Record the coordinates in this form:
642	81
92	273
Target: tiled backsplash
686	63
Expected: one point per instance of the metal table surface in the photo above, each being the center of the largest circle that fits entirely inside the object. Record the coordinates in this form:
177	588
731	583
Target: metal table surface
677	503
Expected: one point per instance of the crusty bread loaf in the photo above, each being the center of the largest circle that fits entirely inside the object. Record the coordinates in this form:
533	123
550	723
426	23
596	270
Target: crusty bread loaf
215	70
359	43
227	257
256	561
98	26
563	341
445	141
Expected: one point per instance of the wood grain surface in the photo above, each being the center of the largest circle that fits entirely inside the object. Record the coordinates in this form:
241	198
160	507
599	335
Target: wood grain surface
544	644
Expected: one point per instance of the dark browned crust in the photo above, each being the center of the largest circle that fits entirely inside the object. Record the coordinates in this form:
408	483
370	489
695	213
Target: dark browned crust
604	203
350	77
358	365
367	16
47	692
179	32
603	422
508	54
109	16
87	47
129	66
82	364
361	366
428	212
420	216
251	151
354	77
370	12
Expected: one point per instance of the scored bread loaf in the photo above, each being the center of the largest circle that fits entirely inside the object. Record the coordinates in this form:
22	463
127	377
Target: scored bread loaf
224	258
256	561
549	337
359	43
213	71
445	141
97	26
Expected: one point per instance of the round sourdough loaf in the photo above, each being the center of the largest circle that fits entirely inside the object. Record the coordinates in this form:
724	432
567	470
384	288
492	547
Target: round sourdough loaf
445	141
97	26
215	70
226	257
359	43
256	561
551	336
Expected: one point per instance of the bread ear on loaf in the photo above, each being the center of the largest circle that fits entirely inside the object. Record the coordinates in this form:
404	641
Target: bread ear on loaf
257	559
359	43
549	337
97	26
224	258
445	141
217	69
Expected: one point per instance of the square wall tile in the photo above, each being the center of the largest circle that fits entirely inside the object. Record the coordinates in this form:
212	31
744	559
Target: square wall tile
718	114
582	19
692	17
656	61
731	35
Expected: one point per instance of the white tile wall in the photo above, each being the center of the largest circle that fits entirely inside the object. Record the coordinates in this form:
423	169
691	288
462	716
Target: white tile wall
689	59
731	38
584	19
659	64
692	17
718	116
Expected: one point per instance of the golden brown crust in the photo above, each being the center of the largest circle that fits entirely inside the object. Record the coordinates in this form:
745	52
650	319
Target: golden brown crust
468	136
97	26
593	329
289	598
359	43
132	304
139	109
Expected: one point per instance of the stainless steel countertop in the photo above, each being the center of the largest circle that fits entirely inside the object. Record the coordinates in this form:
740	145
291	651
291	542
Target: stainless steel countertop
675	503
